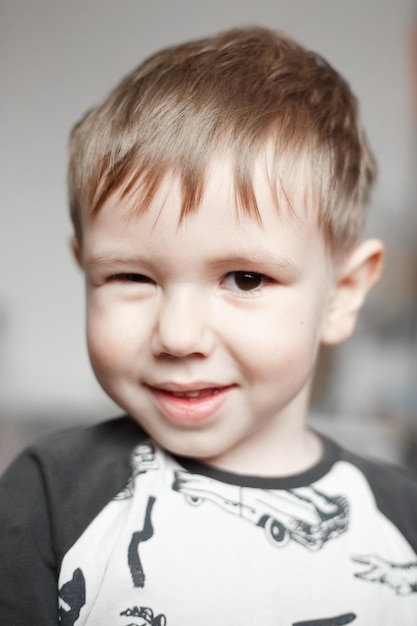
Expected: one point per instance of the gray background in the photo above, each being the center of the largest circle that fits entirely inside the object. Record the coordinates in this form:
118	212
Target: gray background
57	58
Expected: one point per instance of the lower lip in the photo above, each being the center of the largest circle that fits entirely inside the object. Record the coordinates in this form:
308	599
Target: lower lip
182	410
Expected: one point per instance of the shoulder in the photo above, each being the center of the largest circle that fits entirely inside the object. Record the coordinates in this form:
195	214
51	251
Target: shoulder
86	445
385	478
76	454
393	489
72	475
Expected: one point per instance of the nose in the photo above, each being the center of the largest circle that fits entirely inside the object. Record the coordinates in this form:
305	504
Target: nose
182	326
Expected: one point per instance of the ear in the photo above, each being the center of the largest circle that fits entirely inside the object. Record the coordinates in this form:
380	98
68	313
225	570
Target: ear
356	276
76	251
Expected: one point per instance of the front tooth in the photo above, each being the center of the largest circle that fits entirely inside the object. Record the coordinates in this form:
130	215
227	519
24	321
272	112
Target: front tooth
186	394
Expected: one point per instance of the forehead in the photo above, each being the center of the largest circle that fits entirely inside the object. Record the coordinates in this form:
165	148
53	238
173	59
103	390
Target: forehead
284	184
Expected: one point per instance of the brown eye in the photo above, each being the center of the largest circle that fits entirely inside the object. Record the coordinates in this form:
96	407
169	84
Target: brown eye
244	281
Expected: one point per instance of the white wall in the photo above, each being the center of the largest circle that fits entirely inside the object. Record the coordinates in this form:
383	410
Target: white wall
59	57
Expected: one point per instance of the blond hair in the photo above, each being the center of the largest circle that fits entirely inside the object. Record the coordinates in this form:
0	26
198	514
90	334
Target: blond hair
233	94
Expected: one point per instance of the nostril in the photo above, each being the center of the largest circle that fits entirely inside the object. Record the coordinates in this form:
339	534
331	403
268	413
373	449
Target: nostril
181	345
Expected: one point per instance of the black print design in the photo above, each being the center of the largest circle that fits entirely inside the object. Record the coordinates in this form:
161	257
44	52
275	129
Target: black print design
399	576
341	620
142	460
145	616
305	515
133	558
72	599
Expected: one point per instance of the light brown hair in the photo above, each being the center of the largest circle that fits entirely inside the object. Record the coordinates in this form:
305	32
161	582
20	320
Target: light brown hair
232	94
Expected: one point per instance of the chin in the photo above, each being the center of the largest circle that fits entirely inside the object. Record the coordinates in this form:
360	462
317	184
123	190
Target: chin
195	446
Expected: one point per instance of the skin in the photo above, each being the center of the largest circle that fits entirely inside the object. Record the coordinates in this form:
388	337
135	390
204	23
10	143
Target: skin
224	309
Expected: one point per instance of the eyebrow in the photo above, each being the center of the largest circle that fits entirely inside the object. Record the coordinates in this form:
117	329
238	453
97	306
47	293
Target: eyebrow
102	259
248	259
255	257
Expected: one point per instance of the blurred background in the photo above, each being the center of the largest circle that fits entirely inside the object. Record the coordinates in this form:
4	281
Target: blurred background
59	58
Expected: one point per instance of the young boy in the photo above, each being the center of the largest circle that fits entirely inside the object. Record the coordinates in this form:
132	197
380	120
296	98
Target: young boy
218	200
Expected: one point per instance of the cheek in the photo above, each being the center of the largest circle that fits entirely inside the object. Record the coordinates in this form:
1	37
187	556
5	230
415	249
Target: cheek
103	349
112	337
280	344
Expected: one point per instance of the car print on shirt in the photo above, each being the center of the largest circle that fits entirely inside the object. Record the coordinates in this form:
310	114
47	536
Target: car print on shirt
305	515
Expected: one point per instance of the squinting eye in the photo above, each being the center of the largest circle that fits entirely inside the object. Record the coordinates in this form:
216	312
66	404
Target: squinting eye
244	281
131	277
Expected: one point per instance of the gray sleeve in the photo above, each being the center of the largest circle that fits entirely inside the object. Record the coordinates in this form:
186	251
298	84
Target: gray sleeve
48	496
28	567
395	493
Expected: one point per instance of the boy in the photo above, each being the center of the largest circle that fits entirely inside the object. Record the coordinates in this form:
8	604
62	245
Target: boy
218	199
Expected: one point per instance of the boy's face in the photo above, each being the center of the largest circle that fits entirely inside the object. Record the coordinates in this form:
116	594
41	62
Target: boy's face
206	333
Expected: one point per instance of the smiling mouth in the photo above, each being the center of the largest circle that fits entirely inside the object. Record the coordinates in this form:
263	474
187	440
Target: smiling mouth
190	406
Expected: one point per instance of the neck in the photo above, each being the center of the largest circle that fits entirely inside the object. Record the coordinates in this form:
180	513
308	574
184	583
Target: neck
288	453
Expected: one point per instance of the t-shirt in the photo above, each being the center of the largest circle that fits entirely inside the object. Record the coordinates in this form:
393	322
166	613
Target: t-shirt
99	526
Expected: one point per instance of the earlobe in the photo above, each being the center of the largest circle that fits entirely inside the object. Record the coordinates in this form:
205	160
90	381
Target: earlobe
76	251
357	275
